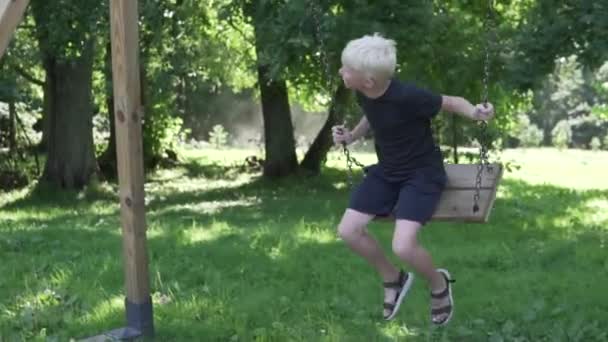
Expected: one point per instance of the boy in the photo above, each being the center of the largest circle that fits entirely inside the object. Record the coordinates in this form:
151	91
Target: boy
409	176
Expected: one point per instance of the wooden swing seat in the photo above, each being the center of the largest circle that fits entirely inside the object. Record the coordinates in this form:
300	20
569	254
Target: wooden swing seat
456	203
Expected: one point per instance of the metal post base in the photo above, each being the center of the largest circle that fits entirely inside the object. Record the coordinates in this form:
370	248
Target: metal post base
140	317
140	323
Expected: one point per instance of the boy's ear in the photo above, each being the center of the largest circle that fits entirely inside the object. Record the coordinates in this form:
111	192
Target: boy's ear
369	82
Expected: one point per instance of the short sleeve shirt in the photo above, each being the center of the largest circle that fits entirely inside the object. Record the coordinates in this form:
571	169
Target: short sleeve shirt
401	122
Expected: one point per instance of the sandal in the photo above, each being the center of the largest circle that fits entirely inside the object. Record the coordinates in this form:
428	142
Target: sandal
447	292
403	284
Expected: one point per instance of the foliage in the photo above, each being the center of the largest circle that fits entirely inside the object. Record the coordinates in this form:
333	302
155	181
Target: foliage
527	133
585	128
561	135
554	29
185	64
561	93
65	28
196	56
600	108
161	134
218	137
595	144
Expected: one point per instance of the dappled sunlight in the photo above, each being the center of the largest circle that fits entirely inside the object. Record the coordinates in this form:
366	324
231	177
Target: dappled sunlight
36	209
395	330
209	232
206	207
111	306
596	211
13	196
45	304
322	232
156	191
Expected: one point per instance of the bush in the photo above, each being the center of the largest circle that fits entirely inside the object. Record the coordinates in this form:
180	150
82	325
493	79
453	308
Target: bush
585	128
561	134
606	142
526	133
218	137
595	144
531	136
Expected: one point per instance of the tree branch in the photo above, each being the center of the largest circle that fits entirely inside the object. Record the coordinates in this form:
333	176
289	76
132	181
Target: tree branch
27	76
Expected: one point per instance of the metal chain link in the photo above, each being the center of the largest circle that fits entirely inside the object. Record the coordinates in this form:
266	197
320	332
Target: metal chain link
483	150
349	164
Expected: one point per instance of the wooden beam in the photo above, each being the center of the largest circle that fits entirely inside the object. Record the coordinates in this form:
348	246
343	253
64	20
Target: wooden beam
128	120
11	14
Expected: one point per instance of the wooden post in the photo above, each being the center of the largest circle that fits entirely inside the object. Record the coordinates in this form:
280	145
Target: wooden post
11	14
128	120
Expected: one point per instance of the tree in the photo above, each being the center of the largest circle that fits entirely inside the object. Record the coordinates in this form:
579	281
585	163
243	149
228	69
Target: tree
280	155
551	29
560	93
440	46
66	37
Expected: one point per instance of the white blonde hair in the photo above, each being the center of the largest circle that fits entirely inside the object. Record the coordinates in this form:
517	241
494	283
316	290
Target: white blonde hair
374	55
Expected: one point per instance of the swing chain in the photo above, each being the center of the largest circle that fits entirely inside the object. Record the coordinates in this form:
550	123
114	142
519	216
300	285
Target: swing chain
350	160
483	151
349	164
322	51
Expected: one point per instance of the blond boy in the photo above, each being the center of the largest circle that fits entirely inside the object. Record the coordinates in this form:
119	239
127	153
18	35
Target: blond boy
409	177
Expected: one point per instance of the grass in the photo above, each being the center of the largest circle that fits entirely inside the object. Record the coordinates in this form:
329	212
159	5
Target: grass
237	258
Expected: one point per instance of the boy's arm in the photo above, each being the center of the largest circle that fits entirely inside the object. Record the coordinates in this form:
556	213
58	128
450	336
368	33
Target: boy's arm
360	130
462	106
343	135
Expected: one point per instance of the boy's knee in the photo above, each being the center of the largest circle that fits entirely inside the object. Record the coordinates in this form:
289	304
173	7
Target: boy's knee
349	232
404	247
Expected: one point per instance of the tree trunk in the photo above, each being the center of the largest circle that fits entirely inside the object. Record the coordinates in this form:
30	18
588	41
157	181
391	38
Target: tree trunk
70	160
280	146
12	127
280	159
317	153
107	160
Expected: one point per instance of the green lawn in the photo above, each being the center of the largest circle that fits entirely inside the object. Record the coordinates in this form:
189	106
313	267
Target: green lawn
236	258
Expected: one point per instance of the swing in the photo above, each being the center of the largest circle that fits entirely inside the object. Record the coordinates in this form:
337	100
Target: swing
471	188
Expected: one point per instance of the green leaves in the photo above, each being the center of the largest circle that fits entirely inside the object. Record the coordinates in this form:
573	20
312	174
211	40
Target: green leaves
65	27
553	29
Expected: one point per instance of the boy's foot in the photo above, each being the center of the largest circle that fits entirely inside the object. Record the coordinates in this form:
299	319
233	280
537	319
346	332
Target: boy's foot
394	293
442	303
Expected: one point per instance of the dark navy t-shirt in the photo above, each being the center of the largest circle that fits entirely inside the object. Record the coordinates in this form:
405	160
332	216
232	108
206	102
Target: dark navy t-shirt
401	122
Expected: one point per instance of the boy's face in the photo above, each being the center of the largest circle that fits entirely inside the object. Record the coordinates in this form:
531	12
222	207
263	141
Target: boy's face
354	79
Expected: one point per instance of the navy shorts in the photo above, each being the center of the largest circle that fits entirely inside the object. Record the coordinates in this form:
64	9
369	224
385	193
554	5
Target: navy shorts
414	197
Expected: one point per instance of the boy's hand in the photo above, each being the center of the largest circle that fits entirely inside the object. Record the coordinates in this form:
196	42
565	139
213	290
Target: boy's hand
341	135
483	111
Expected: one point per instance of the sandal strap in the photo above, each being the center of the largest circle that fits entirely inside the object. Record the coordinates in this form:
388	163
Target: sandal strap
446	291
397	284
440	295
441	310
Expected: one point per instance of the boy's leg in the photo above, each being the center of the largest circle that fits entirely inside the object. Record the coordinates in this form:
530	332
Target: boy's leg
406	247
352	229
